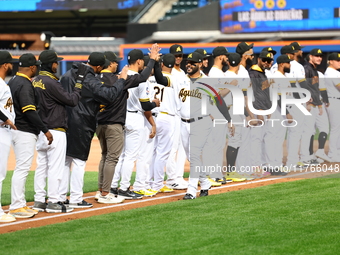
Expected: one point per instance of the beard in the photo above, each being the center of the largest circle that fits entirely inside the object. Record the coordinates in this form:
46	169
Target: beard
194	70
299	58
9	71
249	62
286	70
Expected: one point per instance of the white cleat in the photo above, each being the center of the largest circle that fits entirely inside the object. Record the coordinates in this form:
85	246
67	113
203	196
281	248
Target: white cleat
321	154
110	199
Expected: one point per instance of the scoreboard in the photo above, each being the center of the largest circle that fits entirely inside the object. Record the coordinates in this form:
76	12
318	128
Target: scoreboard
247	16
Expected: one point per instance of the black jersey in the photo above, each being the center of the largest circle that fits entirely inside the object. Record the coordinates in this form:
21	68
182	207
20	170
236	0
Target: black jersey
260	86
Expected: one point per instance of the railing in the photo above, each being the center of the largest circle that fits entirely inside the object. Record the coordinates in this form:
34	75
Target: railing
135	16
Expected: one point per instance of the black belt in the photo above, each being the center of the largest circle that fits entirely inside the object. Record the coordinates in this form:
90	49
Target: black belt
334	97
191	119
132	111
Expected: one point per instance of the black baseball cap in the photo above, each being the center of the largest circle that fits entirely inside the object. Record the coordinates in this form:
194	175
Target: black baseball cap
97	59
203	52
242	47
6	57
169	60
220	50
234	59
283	59
265	54
176	49
135	55
49	56
28	59
316	52
112	57
297	46
288	49
334	56
195	57
269	49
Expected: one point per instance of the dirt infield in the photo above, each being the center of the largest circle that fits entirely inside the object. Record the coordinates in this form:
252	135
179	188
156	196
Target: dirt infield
44	218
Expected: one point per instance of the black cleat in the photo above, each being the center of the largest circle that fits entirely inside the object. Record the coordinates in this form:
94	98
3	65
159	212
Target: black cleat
128	194
188	196
203	193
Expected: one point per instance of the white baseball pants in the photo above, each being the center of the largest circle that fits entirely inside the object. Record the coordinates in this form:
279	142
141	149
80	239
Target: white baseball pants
5	146
133	137
24	146
177	157
194	136
144	160
50	164
334	120
163	145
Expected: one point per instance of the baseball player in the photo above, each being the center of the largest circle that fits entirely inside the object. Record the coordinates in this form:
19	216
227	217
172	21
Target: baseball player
144	161
297	80
274	156
312	75
299	54
218	137
165	122
110	130
205	62
134	126
7	116
243	156
322	122
332	78
51	158
260	87
82	123
177	157
29	124
235	140
219	54
144	175
195	128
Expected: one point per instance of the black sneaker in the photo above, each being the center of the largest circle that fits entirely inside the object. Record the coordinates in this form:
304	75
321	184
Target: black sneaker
82	204
39	206
114	191
66	202
203	193
57	208
188	196
277	172
128	194
221	180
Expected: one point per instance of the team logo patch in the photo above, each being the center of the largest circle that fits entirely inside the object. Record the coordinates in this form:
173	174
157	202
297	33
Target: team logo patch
178	49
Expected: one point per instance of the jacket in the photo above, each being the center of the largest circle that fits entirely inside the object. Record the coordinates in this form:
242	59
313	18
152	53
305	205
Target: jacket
82	118
53	99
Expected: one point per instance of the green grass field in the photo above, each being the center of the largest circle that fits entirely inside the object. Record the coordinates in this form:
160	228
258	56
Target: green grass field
299	217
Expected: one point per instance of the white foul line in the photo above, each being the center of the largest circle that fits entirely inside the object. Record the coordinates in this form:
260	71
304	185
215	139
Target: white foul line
140	201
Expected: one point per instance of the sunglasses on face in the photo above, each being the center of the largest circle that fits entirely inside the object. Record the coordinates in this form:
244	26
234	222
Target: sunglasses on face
179	56
268	60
